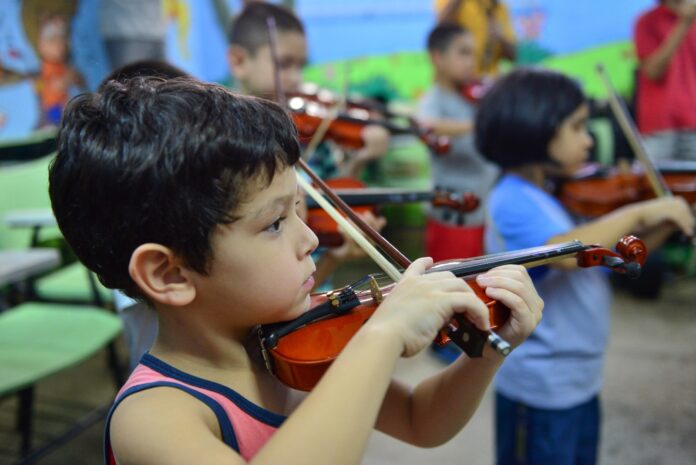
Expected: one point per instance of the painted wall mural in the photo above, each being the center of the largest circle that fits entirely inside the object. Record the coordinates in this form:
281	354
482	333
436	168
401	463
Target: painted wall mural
51	50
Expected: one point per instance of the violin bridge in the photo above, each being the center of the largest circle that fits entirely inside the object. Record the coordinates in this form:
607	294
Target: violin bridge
375	291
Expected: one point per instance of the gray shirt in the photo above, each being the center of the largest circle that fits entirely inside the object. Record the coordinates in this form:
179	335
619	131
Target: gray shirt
132	19
463	168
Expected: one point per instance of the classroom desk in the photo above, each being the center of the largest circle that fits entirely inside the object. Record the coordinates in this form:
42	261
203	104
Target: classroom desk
18	265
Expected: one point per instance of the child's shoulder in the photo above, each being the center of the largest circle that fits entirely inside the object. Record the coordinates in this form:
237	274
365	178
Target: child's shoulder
146	422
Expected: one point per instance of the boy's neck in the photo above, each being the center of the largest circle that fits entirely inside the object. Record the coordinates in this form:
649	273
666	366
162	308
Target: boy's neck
191	342
446	83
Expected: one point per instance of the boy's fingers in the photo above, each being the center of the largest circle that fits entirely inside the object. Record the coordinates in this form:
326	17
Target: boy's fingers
473	307
418	267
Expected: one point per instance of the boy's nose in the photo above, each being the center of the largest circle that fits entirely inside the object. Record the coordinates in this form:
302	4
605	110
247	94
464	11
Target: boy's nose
311	241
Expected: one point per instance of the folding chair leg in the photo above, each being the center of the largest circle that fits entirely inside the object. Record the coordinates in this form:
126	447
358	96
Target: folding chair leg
25	411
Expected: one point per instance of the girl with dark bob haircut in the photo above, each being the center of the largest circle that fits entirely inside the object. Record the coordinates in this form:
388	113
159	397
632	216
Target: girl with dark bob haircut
519	116
533	124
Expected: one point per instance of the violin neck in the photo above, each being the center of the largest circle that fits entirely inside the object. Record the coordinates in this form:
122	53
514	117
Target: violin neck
365	197
528	258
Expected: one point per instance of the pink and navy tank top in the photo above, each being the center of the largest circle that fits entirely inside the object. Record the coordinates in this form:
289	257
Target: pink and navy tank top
245	427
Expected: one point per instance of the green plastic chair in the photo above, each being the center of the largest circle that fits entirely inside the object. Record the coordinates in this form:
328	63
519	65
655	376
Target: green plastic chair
38	340
25	186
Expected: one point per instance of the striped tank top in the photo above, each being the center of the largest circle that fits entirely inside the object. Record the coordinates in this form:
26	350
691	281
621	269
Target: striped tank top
245	427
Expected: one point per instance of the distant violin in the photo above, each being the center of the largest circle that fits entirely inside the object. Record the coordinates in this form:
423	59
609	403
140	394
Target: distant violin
595	196
474	90
363	199
596	191
313	105
298	352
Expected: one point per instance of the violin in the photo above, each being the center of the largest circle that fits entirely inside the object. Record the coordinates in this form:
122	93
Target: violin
298	352
595	191
594	196
473	91
363	199
311	106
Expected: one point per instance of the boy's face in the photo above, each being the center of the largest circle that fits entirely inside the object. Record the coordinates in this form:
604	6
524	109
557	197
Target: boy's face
457	62
261	263
570	146
256	72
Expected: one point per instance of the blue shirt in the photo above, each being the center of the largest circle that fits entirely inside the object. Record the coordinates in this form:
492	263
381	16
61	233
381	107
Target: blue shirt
560	365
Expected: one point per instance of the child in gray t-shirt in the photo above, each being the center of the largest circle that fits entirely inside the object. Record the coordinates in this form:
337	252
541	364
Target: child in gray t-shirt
462	169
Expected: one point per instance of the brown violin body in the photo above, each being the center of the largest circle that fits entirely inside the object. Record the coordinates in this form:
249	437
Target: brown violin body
302	357
602	192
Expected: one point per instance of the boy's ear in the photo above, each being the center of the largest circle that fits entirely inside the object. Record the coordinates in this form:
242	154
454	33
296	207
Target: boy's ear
158	272
237	58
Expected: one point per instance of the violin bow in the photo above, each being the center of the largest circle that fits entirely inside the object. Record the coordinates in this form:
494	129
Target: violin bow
628	127
493	339
369	249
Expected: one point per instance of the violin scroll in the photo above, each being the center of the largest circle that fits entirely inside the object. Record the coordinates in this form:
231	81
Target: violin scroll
628	259
464	203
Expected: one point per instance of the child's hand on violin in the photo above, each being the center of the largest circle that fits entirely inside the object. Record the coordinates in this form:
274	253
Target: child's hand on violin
667	210
376	140
421	304
512	286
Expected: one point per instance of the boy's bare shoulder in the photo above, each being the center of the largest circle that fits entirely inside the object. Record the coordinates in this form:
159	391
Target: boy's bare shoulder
169	426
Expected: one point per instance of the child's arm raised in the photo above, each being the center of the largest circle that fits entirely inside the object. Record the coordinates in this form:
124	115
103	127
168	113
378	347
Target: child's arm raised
439	407
449	127
334	423
658	216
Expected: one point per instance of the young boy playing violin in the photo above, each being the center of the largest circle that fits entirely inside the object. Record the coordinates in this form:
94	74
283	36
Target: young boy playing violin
448	112
533	124
182	194
251	63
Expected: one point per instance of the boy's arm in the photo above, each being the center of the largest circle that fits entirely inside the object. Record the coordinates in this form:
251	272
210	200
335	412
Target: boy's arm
655	64
439	407
167	426
332	424
449	127
336	419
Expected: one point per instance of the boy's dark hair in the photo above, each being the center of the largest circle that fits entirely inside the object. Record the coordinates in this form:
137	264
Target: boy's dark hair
144	68
149	160
520	114
249	29
441	36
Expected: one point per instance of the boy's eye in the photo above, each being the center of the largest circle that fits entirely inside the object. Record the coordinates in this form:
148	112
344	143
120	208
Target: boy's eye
275	226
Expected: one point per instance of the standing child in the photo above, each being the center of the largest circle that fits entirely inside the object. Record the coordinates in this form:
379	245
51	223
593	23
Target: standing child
251	63
533	124
449	113
182	194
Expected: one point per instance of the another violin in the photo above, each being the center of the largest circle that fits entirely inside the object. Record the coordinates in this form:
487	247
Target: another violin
312	106
298	352
595	196
596	191
474	90
363	199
